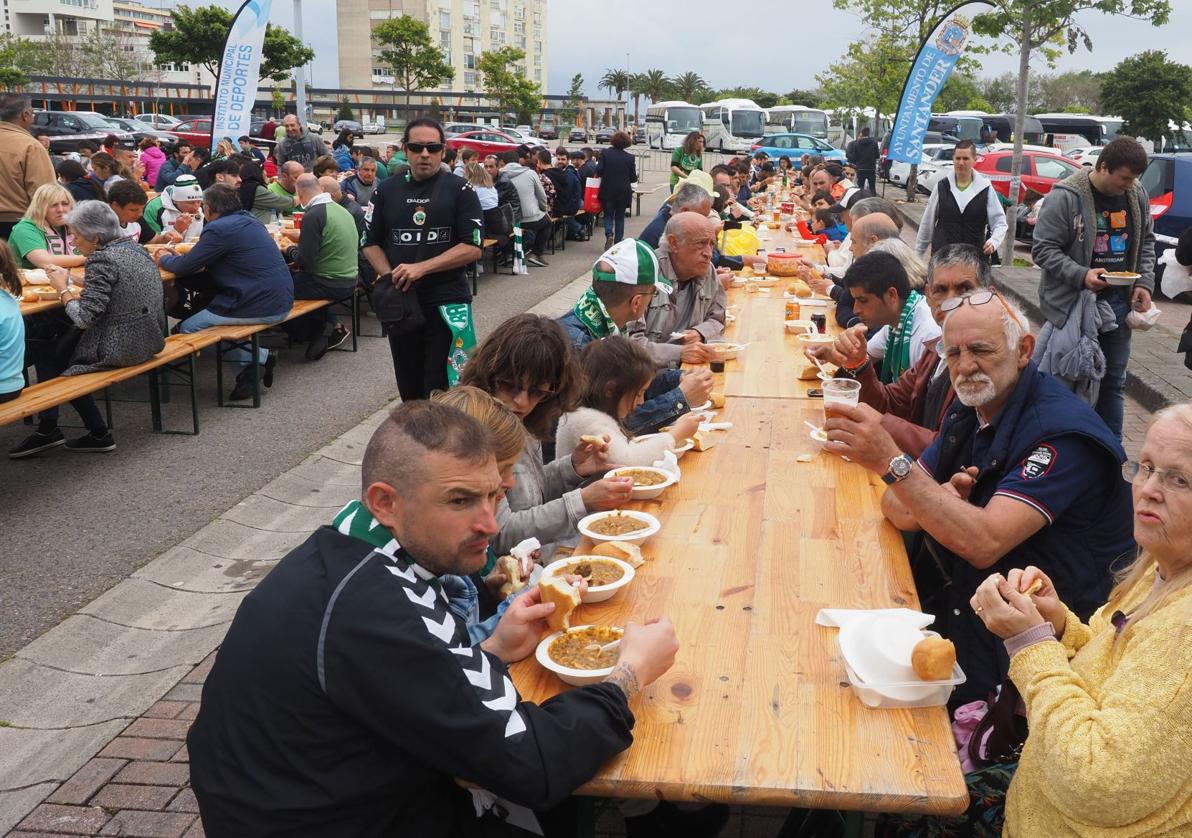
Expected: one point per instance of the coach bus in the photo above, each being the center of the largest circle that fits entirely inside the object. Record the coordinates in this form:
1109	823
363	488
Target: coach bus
733	124
668	123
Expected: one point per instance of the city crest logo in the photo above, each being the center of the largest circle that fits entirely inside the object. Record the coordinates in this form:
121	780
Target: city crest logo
951	39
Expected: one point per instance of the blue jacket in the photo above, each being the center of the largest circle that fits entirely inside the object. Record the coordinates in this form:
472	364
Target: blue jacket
244	261
343	157
1076	551
664	402
576	184
168	173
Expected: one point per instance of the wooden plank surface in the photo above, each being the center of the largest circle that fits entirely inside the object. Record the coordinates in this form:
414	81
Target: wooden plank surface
757	709
38	306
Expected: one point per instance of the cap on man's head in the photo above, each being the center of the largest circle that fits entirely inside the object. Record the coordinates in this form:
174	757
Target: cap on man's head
576	154
850	197
701	179
633	263
186	188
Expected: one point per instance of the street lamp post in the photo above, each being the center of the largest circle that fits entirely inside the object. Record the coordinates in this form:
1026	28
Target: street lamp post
299	75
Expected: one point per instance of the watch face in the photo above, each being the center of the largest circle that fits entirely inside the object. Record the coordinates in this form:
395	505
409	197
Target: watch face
901	466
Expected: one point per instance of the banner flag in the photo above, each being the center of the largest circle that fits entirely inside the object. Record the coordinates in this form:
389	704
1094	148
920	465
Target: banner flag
934	64
239	70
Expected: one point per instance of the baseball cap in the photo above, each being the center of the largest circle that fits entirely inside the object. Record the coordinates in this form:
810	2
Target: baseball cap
850	197
633	263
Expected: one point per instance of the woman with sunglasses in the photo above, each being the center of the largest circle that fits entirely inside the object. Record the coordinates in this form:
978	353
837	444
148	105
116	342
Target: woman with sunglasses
529	366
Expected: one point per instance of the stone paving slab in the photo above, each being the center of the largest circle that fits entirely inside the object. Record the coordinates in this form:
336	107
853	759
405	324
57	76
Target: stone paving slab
189	570
36	696
299	491
264	513
1156	375
139	603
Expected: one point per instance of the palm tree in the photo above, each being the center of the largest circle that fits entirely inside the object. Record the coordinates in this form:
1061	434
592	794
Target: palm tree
616	81
689	87
654	85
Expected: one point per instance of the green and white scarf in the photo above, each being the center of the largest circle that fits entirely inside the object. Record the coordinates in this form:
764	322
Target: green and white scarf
595	317
898	344
458	317
356	521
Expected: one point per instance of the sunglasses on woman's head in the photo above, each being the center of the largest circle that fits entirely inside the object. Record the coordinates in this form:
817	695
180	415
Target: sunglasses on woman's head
418	148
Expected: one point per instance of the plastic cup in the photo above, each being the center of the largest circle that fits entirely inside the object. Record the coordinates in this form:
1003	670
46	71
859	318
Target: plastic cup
841	391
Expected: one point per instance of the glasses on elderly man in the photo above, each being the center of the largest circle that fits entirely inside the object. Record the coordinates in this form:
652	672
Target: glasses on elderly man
1174	481
980	298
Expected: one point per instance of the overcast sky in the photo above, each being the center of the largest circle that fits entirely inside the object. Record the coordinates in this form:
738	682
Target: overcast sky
729	47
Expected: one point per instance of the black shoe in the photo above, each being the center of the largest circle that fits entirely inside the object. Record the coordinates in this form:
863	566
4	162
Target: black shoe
270	364
36	443
337	338
317	348
536	261
243	388
608	242
92	444
669	821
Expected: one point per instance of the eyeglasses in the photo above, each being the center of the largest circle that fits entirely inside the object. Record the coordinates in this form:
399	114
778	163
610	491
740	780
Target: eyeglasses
418	148
512	388
980	298
1140	473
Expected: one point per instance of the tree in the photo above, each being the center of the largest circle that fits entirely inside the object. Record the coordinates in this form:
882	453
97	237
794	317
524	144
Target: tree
345	110
764	98
998	92
14	60
278	100
505	81
416	62
654	85
961	94
199	34
1073	91
869	75
690	87
1031	26
806	98
1149	92
111	55
614	81
571	105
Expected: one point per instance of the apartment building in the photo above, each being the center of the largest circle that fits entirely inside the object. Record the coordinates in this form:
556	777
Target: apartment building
37	18
464	29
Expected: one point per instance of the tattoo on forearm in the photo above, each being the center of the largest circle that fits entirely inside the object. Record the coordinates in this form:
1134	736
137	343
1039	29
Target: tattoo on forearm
625	678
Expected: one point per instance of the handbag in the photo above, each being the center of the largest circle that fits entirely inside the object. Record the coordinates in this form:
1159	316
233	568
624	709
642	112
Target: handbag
399	311
498	222
592	204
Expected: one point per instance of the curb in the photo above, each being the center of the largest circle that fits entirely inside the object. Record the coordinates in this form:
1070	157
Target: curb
1147	387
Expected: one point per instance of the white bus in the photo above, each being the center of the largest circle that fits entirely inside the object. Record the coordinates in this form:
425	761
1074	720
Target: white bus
669	123
796	119
733	124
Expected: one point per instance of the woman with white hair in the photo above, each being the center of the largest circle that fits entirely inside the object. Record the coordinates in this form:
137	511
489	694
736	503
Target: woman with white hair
118	314
916	268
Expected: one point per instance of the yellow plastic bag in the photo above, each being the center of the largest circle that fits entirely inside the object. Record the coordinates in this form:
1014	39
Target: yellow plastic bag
740	242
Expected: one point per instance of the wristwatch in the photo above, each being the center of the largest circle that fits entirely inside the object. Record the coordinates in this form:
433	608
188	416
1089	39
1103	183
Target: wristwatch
900	469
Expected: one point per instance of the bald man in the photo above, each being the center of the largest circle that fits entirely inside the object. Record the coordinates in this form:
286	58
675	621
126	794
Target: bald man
869	230
696	306
331	186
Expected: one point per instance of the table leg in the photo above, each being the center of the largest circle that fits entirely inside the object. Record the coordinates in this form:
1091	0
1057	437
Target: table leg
854	824
585	817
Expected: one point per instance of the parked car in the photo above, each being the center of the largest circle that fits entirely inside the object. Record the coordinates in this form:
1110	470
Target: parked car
547	133
605	134
936	163
160	121
484	142
348	125
577	135
639	135
78	125
1040	171
452	129
519	136
1168	180
1085	156
197	132
377	126
930	138
795	146
140	130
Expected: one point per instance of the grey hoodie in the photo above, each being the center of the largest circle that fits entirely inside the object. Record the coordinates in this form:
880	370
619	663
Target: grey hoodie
530	193
1063	247
303	150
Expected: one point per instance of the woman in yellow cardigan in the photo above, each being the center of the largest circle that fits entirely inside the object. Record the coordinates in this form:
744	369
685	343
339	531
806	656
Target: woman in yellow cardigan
1109	704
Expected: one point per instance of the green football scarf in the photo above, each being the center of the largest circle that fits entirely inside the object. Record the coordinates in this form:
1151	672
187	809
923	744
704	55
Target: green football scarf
458	317
595	317
898	344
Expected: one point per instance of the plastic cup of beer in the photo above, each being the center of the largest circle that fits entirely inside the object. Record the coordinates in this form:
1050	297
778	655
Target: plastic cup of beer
840	391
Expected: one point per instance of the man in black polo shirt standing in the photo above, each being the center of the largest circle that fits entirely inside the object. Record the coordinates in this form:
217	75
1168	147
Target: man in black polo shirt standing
427	226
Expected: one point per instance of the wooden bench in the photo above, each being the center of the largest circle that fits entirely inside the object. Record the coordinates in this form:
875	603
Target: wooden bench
638	191
57	391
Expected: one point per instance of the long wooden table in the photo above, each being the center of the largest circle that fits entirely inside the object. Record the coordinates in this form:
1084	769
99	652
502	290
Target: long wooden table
757	709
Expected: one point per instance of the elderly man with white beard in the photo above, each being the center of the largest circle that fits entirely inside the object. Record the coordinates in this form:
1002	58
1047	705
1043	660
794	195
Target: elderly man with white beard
1022	473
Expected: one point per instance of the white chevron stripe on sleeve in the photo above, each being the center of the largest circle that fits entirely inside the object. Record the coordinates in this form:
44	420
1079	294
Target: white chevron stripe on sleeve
445	630
506	702
406	574
427	600
483	679
515	725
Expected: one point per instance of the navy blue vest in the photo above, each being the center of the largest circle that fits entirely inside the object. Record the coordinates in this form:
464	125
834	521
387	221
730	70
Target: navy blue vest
1078	563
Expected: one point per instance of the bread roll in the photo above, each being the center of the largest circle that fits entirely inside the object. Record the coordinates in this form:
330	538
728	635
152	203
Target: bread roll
622	550
592	439
1034	588
934	658
564	596
703	441
810	372
511	567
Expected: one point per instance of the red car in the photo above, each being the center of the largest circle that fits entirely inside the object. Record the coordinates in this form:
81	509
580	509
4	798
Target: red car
197	132
1040	171
484	142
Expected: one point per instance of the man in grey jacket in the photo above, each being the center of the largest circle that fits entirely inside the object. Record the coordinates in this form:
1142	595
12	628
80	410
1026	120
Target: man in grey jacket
535	220
298	145
695	309
1096	223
